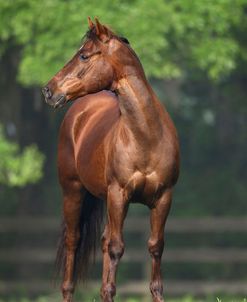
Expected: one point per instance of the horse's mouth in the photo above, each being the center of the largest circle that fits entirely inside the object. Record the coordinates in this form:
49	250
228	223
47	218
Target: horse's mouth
60	102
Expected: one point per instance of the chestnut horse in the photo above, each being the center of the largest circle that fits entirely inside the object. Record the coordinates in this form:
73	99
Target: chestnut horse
117	145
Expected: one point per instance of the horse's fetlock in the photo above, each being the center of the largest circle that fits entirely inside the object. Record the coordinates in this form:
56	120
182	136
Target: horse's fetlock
108	291
68	290
111	289
156	288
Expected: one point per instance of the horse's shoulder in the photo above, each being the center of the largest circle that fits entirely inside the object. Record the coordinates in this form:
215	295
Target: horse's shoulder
94	102
94	111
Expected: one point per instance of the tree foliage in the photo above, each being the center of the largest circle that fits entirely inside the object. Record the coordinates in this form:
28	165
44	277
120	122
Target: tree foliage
168	35
17	168
200	43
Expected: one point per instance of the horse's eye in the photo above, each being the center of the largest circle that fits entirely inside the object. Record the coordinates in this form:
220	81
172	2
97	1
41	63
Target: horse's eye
83	57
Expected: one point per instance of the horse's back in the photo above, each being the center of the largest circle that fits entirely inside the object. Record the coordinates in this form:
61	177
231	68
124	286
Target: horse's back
85	127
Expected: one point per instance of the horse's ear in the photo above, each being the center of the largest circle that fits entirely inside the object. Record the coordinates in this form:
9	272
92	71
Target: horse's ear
101	31
90	23
99	27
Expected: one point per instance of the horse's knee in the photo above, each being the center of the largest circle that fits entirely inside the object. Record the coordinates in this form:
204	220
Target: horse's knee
156	247
116	249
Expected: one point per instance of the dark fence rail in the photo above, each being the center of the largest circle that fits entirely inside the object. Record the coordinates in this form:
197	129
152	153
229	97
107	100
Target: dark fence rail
209	255
179	225
42	255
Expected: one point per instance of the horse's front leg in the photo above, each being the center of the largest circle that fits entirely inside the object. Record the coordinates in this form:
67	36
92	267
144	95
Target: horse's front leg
72	211
112	244
156	243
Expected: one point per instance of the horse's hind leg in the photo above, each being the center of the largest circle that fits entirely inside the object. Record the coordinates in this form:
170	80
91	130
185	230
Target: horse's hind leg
156	243
112	243
106	259
72	197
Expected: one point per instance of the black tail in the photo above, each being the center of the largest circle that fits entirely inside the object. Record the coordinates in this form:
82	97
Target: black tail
91	219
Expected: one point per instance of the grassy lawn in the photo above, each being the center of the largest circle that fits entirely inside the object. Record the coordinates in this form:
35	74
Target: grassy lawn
91	299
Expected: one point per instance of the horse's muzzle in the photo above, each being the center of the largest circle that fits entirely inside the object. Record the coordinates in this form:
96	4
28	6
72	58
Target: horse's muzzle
56	101
47	92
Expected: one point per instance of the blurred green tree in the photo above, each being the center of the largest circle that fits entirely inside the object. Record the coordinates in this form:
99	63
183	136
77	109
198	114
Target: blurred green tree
18	169
167	35
197	50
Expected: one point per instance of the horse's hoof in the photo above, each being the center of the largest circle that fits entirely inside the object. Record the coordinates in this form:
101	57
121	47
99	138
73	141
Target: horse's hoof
160	299
107	298
67	298
156	289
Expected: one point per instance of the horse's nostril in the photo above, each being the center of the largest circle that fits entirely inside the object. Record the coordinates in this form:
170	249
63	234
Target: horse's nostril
47	92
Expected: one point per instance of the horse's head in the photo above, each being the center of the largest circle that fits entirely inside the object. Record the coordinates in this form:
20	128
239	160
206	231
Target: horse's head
97	65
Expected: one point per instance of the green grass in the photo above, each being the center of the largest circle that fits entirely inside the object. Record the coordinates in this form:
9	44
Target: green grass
92	299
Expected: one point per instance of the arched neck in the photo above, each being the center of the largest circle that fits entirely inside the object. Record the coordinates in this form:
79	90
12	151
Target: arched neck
138	106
